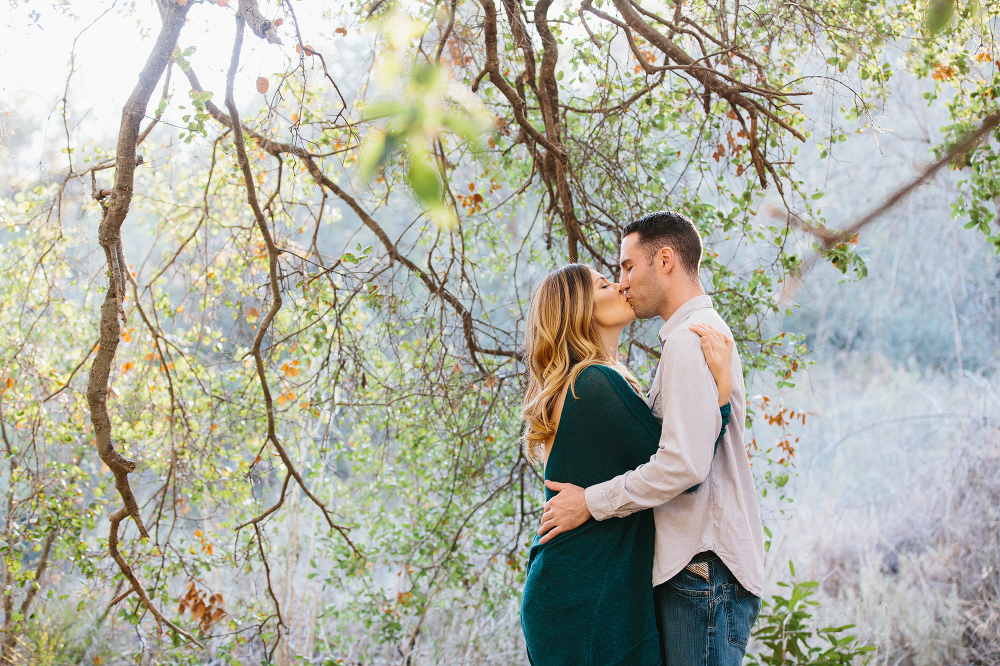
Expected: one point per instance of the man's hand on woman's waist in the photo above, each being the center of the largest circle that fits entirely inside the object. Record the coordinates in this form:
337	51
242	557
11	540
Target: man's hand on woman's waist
564	512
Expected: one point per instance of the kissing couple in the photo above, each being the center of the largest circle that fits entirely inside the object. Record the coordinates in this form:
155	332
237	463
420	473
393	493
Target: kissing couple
650	551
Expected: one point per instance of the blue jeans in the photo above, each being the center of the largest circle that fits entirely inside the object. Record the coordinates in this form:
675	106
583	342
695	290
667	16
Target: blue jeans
704	622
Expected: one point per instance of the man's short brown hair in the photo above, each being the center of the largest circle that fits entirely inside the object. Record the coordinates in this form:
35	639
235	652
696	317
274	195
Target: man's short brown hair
668	229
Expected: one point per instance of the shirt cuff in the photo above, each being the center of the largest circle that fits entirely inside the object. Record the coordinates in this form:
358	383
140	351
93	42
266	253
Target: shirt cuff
598	503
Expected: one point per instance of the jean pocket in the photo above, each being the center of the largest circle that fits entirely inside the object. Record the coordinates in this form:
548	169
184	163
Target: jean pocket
690	584
742	609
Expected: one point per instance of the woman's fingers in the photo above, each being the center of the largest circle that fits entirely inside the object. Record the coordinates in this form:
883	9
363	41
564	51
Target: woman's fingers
708	348
716	345
712	334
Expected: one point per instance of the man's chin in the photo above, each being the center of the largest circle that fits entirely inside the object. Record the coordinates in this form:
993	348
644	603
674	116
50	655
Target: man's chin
642	314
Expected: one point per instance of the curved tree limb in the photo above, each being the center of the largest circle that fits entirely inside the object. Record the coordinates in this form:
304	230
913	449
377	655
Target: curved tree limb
110	239
829	238
275	288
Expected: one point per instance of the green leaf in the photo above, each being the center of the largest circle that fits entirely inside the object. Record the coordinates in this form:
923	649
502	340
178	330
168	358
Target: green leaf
939	13
423	179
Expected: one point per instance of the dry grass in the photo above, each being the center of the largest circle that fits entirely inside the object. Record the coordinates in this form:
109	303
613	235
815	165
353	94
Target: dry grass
900	518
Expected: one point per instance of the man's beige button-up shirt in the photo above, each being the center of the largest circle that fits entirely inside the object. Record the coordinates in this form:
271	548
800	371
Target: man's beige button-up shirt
722	515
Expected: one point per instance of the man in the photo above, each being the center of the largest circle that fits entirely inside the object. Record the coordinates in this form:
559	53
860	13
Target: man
708	566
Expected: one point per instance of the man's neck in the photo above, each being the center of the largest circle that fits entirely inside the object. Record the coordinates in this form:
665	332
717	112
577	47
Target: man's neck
680	295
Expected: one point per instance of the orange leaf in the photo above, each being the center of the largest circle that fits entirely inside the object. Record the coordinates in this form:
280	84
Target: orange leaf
342	31
262	84
278	22
223	3
182	3
126	367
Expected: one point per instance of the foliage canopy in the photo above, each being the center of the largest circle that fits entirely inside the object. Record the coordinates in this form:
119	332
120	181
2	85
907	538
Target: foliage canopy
297	354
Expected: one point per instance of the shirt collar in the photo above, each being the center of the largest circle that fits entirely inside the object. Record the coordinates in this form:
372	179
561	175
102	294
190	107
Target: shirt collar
681	315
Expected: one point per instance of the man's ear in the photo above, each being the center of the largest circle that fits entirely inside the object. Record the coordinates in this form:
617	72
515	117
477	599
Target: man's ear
665	259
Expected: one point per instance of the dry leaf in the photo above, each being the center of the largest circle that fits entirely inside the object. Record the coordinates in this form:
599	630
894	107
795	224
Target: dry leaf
182	3
223	3
342	31
278	22
262	84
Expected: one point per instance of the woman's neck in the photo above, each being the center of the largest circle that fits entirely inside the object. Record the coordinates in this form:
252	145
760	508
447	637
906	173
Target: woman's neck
610	337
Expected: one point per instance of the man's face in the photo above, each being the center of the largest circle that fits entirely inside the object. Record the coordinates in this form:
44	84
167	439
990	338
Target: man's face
644	286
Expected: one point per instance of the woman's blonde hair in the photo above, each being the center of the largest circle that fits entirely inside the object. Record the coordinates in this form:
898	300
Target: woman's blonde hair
561	340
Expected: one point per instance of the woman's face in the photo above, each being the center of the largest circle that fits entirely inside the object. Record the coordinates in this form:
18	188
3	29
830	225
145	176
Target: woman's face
611	308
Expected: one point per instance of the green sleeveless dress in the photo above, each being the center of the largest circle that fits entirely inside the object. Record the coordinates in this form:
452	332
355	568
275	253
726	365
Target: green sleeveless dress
588	597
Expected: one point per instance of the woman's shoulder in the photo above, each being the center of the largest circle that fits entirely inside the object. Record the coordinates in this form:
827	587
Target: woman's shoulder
598	379
596	376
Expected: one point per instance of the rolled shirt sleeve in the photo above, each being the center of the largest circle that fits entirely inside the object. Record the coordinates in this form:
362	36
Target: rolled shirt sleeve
688	403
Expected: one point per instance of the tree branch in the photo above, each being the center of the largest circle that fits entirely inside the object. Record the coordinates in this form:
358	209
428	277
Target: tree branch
275	288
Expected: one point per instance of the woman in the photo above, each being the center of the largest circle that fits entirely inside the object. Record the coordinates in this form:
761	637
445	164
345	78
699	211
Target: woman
588	597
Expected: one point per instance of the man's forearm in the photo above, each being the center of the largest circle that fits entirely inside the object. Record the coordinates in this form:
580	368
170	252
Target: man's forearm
652	484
